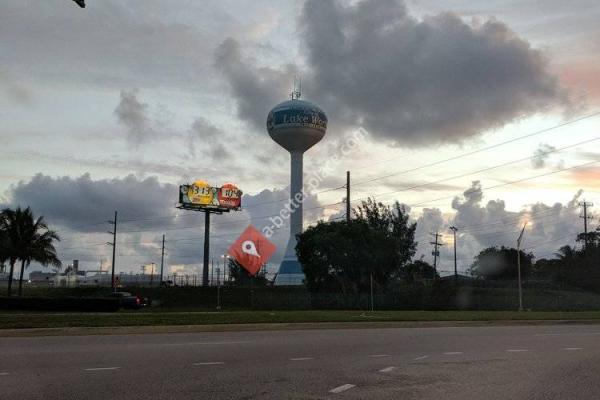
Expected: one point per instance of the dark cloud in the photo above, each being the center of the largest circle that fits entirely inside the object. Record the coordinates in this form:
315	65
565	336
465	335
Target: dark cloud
133	115
256	89
415	82
80	203
410	82
210	137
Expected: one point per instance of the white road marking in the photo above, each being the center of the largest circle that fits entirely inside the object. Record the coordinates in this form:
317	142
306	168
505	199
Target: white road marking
4	373
516	350
204	343
379	355
388	369
572	348
101	369
420	358
210	363
342	388
567	334
452	353
301	358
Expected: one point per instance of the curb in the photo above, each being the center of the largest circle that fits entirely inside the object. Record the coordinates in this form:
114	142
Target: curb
168	329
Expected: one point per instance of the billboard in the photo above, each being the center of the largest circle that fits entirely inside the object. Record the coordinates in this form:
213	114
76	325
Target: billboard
200	195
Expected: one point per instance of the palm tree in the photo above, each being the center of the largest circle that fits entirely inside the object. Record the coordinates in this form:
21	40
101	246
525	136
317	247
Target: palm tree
26	239
566	253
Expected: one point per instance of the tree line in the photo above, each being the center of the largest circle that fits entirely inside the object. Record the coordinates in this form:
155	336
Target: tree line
378	245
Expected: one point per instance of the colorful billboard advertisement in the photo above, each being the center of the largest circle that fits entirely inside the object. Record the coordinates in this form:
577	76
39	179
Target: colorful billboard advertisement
201	195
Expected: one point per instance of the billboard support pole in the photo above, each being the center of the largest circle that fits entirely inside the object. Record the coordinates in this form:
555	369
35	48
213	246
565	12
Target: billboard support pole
206	247
201	197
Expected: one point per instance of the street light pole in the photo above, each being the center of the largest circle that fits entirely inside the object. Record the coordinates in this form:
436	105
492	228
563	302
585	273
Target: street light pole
519	266
218	289
372	307
454	229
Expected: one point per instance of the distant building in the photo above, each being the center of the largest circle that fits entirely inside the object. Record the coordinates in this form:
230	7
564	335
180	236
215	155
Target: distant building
39	277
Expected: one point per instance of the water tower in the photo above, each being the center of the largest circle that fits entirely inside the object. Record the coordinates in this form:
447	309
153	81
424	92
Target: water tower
295	125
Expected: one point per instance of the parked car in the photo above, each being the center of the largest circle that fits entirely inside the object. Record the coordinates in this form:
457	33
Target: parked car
129	301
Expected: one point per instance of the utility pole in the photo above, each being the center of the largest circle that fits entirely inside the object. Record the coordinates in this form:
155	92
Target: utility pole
585	205
435	251
152	274
347	196
454	230
519	266
162	260
114	247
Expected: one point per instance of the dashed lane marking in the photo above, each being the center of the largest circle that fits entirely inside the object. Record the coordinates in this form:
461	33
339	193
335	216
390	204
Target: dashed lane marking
4	373
301	358
210	363
572	348
204	343
516	350
568	334
342	388
101	369
379	355
452	353
420	358
388	369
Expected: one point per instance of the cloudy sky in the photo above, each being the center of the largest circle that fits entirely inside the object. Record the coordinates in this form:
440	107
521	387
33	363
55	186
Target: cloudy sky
481	115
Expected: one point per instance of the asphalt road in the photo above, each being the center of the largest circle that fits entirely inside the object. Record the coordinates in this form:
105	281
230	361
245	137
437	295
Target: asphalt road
535	362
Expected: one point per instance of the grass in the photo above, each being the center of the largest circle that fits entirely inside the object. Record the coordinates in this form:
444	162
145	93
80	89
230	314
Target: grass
20	320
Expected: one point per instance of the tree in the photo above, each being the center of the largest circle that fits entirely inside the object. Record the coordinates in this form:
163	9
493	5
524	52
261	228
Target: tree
343	256
418	270
3	247
26	239
501	263
241	277
580	267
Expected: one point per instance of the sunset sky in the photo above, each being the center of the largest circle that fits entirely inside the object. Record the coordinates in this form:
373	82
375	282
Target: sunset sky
112	106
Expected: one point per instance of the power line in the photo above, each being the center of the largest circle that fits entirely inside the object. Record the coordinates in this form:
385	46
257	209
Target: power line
513	182
594	114
481	170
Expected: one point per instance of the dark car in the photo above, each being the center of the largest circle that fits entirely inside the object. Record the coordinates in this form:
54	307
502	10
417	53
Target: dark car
129	301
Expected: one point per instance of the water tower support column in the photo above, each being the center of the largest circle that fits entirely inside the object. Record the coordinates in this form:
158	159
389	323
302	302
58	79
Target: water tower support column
296	200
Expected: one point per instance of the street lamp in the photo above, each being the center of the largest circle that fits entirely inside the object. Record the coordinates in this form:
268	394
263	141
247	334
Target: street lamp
225	257
519	266
454	229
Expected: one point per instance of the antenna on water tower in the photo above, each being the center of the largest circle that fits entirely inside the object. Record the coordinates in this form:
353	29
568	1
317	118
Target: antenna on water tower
296	91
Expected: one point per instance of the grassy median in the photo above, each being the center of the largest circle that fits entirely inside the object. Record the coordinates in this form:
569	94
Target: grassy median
20	320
